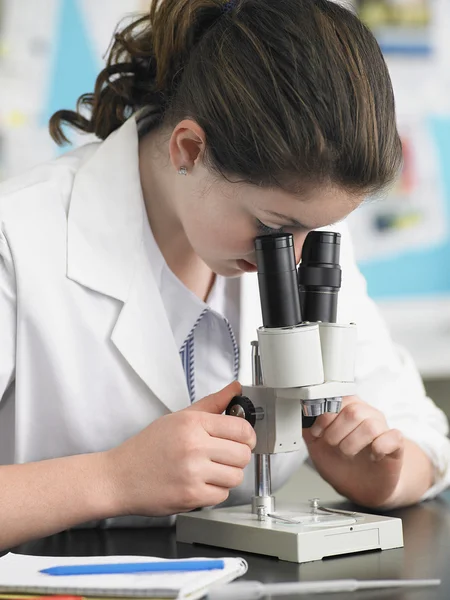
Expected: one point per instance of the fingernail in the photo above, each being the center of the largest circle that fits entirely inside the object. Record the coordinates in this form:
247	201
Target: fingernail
316	431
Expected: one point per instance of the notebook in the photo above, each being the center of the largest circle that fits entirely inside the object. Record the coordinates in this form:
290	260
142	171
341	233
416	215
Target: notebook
20	574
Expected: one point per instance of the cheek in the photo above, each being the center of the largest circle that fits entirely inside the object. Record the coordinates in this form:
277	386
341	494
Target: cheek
214	240
228	242
226	236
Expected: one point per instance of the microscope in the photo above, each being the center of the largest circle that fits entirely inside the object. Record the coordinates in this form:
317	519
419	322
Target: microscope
302	366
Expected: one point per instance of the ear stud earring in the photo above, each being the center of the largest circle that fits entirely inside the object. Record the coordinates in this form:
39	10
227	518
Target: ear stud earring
182	171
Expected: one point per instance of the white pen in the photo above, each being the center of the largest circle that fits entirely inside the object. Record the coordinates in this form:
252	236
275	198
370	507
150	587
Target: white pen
252	590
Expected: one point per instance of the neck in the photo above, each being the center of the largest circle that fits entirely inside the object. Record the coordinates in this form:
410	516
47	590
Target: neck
160	194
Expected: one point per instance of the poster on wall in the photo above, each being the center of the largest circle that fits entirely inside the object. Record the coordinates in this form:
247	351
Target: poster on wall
402	241
411	216
401	26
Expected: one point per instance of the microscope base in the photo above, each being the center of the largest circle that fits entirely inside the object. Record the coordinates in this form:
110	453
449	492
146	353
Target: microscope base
310	537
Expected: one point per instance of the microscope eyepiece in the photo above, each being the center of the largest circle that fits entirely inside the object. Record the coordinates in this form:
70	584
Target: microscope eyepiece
277	278
319	276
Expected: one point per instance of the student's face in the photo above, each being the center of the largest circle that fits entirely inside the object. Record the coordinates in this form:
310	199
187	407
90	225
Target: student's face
222	219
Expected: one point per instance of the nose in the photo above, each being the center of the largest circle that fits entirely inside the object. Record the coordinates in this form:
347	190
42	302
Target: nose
299	239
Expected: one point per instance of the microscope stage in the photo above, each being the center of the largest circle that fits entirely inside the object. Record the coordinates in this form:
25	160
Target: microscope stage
301	537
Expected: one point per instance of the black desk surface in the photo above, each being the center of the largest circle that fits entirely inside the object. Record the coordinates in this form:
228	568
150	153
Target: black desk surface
426	554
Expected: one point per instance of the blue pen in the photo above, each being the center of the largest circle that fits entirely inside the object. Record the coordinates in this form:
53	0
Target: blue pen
144	567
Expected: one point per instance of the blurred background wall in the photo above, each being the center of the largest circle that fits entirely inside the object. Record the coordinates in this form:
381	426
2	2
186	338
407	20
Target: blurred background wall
51	51
403	240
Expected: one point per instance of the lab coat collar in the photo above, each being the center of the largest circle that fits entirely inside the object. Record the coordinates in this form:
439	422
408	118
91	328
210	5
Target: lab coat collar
106	253
106	215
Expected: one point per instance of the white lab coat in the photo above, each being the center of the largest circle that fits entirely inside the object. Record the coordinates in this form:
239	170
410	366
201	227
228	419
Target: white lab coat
87	355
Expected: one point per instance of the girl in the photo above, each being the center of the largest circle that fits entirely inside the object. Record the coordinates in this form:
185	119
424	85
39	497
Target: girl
126	283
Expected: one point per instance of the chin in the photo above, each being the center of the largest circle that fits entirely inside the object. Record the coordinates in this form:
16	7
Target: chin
235	273
226	270
229	272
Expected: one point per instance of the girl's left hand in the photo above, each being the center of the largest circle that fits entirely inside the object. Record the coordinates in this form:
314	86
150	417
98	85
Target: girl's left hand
357	453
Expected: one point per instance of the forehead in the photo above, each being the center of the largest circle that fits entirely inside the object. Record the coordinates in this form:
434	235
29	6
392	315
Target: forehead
314	207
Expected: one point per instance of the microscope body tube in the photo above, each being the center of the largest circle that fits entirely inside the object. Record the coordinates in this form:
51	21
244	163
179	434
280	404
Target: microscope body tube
319	279
319	276
300	343
277	280
291	357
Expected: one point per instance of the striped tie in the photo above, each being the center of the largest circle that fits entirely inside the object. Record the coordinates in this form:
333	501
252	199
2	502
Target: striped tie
187	355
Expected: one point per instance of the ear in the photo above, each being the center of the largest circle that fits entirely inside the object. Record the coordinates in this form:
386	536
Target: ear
187	145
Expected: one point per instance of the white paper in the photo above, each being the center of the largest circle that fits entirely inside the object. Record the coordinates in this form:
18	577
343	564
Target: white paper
20	573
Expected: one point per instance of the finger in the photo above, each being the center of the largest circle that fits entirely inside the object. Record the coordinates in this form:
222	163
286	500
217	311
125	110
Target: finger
230	428
214	495
208	495
217	403
320	424
390	443
347	420
223	476
346	400
325	420
229	453
361	437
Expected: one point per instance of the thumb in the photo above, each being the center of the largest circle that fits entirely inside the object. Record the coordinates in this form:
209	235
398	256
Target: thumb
308	438
217	403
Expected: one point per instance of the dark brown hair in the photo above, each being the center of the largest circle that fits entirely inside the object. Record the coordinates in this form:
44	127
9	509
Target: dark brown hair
285	90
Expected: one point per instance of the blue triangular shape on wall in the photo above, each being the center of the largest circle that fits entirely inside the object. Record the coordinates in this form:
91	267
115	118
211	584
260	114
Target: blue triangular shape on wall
75	65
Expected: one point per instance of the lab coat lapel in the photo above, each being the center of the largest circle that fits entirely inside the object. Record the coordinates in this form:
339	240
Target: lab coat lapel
143	336
107	253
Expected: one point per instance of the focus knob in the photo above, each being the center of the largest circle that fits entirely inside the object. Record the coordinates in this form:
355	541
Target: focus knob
242	407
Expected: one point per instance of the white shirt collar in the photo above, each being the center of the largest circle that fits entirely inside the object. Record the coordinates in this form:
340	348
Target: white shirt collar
183	307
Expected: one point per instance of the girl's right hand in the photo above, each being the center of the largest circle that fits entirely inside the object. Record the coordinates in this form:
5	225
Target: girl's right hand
184	460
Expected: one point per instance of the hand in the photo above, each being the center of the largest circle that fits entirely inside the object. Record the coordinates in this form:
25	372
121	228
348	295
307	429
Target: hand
357	453
182	461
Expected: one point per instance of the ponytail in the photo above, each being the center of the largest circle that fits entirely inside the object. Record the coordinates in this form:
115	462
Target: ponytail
285	90
144	65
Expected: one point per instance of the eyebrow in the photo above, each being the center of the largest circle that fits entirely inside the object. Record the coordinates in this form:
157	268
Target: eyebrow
290	220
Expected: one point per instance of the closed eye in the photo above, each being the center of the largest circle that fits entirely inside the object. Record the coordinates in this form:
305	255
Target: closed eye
264	229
